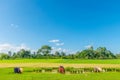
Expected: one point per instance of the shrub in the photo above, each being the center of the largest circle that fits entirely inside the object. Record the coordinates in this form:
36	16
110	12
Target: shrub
88	69
48	69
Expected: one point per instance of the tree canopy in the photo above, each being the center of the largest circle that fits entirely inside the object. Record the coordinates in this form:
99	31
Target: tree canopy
45	52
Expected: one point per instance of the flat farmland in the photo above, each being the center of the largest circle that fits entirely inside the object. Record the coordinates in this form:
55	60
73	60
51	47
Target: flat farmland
76	61
57	62
8	74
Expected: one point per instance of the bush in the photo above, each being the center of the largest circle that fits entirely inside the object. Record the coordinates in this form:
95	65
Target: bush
117	69
48	69
69	69
88	69
73	70
38	70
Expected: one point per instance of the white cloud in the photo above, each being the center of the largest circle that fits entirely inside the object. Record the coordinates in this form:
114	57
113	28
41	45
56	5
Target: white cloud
9	47
68	51
54	49
54	41
59	44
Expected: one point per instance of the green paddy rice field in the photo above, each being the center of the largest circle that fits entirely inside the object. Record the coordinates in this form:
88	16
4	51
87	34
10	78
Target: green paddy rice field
7	73
70	61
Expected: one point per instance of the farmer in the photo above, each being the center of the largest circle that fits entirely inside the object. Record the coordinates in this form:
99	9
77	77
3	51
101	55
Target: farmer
61	70
18	70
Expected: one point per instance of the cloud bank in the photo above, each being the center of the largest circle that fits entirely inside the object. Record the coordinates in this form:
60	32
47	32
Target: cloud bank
10	47
56	42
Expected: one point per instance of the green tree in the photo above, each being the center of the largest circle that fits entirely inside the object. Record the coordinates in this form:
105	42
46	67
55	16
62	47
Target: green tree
103	53
4	56
71	56
24	53
63	54
10	53
45	50
14	56
118	56
86	54
57	54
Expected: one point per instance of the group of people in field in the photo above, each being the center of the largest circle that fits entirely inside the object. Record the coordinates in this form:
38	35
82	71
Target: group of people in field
20	70
61	69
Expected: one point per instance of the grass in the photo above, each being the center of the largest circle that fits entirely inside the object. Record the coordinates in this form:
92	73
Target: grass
70	61
7	74
6	70
114	63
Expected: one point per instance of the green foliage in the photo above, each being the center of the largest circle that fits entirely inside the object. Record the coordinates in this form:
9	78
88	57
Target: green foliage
68	68
45	53
22	54
37	70
28	74
4	56
99	53
111	69
118	56
45	50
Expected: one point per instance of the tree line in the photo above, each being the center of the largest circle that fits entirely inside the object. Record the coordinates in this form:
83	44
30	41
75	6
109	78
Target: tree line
45	53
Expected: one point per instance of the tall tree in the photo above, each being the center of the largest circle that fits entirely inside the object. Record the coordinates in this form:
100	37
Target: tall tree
4	56
57	54
45	50
103	53
10	53
24	53
86	54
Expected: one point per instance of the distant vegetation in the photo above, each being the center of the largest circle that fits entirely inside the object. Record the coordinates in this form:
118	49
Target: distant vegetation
45	53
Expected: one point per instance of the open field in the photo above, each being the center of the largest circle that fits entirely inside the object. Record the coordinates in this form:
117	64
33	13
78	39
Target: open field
57	62
6	69
4	65
70	61
7	74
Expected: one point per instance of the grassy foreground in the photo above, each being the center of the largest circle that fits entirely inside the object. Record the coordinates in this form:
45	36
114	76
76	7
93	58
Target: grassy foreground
7	74
6	70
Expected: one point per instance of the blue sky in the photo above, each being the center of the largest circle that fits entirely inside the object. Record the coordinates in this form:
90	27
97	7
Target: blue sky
64	24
